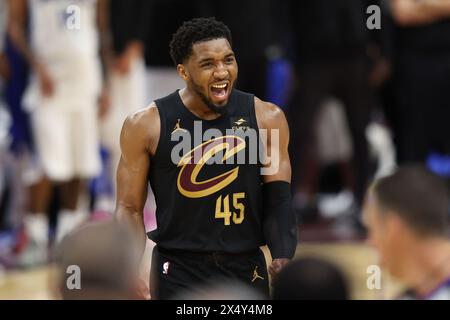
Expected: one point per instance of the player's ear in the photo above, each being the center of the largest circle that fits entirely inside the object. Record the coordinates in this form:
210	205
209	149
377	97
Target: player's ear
182	72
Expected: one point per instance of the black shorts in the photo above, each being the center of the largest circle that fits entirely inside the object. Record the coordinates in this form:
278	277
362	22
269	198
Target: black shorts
175	271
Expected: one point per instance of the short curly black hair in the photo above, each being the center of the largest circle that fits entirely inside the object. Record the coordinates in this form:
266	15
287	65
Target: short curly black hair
193	31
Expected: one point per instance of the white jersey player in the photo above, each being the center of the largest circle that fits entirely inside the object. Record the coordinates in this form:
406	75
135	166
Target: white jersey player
62	98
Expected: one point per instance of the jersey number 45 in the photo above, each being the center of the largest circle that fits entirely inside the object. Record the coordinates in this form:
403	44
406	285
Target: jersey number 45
223	208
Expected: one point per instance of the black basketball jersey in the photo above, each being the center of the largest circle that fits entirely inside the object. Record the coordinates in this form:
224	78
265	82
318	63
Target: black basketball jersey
205	178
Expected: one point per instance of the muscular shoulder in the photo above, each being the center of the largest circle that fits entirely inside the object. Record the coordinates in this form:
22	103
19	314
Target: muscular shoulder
142	128
269	115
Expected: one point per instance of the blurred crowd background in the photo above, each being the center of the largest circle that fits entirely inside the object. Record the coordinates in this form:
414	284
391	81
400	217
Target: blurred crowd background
360	102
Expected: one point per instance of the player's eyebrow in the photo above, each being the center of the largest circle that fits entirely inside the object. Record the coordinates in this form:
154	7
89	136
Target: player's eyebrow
206	60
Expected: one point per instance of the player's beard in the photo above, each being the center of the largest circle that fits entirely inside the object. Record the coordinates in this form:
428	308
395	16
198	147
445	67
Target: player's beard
211	106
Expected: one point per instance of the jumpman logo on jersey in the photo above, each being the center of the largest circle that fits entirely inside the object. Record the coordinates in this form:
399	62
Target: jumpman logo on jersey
177	127
256	275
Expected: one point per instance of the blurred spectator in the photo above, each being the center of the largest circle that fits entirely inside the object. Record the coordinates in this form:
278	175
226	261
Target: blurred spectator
127	82
62	99
407	218
310	279
330	43
422	74
108	264
221	291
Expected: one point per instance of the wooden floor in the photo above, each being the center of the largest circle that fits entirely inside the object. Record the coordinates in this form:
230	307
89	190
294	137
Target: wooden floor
353	258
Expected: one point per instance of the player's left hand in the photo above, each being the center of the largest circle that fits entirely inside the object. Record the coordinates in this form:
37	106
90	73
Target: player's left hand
276	266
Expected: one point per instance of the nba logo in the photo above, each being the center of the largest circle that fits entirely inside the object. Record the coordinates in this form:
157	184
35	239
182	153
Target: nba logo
166	267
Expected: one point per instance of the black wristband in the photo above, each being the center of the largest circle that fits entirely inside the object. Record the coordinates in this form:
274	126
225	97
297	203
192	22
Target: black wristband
280	225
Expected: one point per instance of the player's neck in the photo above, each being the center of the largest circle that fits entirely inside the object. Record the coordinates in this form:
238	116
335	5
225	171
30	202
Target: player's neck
196	105
428	266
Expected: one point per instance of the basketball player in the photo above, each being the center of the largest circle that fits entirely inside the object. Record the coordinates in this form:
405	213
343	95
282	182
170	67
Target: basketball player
127	79
407	219
62	98
212	218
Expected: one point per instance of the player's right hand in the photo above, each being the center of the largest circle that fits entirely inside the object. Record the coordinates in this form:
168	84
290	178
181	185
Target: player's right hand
45	81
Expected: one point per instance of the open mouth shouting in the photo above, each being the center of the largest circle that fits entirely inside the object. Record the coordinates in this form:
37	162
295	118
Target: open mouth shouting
220	92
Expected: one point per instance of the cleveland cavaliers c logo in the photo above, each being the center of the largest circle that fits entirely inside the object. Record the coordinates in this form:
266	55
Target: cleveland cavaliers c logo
187	178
